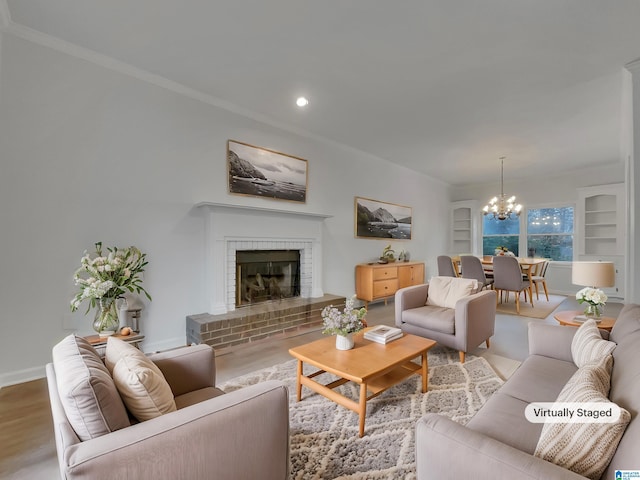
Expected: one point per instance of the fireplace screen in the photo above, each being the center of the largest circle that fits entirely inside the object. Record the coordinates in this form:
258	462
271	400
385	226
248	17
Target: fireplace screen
263	275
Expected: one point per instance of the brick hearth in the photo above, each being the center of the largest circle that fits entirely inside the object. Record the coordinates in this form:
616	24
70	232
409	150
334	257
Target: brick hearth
287	317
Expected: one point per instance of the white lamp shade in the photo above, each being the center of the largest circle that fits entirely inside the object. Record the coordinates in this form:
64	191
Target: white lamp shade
593	274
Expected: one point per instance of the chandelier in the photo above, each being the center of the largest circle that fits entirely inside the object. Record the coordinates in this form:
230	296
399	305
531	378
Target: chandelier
502	207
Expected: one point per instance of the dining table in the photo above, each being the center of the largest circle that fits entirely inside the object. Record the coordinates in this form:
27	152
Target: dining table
528	265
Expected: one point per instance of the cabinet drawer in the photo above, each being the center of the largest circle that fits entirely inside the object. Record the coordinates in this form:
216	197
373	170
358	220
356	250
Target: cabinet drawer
384	273
385	288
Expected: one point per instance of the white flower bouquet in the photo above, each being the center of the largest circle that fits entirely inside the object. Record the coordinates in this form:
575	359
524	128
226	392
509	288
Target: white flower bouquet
594	298
350	320
109	276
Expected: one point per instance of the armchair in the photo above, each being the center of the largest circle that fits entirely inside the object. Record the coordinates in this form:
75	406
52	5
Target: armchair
243	434
464	327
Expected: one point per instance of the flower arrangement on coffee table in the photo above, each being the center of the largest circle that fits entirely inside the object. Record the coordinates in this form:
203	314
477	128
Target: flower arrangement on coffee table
343	323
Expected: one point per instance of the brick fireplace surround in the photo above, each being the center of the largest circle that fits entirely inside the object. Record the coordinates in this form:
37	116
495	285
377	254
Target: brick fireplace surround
229	228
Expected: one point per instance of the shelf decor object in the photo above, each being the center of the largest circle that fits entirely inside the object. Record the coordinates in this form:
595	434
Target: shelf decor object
502	207
260	172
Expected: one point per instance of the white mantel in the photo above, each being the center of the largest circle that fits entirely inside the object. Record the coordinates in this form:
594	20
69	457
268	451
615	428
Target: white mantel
231	227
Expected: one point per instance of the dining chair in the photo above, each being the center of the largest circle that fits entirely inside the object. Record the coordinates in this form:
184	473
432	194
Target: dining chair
445	267
539	277
507	277
472	268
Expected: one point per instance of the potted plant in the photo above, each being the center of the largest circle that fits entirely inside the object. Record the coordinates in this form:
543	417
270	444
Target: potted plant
343	324
103	278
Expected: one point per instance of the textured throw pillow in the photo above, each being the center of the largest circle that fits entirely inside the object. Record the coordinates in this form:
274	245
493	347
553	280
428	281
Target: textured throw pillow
584	448
446	291
594	375
87	392
588	345
140	382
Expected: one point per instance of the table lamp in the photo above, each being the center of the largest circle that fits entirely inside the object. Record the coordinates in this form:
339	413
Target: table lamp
593	274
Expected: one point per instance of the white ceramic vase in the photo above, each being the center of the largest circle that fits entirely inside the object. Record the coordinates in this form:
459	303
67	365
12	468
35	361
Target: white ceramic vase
344	342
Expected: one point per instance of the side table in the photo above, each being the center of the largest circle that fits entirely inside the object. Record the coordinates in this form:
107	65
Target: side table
569	318
100	343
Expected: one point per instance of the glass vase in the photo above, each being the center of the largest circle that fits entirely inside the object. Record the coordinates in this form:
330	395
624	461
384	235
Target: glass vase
106	321
592	311
345	342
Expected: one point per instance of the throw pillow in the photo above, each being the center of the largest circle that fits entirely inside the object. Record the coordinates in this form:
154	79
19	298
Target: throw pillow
140	382
584	448
594	375
588	345
446	291
86	390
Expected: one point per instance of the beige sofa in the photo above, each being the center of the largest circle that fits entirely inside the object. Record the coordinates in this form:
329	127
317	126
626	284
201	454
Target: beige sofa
464	327
498	442
243	434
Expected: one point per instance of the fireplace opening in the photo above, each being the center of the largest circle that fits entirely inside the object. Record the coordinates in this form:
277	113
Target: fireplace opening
263	275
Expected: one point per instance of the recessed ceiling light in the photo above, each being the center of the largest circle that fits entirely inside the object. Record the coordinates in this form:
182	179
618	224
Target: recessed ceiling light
302	102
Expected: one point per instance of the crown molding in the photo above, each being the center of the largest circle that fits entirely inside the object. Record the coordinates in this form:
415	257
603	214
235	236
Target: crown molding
124	68
633	66
110	63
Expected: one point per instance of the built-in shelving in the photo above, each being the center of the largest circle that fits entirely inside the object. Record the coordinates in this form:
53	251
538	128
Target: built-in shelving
463	227
601	212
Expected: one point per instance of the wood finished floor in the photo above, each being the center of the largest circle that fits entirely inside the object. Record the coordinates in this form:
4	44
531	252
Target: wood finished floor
26	431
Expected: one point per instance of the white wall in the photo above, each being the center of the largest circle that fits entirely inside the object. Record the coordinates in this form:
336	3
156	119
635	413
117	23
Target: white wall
90	154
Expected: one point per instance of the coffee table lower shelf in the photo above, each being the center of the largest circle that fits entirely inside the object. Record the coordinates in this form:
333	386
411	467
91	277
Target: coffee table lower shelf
393	366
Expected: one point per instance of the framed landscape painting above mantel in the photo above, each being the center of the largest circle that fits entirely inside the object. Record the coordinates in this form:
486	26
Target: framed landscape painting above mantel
376	219
260	172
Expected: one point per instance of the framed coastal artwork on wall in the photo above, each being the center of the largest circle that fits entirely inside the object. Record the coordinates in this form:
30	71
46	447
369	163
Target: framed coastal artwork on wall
260	172
376	219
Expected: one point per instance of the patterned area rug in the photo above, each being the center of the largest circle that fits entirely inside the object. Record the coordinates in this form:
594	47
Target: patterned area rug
324	435
541	307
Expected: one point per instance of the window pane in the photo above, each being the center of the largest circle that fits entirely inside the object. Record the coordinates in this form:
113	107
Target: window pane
550	220
489	244
555	247
491	226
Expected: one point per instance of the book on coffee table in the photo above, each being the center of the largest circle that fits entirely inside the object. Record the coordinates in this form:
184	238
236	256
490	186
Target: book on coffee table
383	334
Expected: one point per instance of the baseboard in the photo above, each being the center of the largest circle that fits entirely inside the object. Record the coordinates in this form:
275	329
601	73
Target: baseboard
21	376
34	373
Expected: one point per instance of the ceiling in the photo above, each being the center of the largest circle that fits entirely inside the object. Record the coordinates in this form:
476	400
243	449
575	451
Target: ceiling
444	87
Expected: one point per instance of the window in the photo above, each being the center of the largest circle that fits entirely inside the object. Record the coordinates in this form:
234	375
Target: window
550	233
500	233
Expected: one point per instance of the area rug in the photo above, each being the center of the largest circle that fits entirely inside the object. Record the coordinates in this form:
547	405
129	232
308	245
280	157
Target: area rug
324	435
541	308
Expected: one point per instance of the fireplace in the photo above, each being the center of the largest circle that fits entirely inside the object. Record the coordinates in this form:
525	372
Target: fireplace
263	275
249	250
230	229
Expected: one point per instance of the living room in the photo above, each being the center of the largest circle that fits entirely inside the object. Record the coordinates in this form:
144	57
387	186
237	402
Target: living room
98	148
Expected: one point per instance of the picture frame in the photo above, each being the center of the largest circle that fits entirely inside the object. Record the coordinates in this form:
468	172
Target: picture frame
261	172
376	219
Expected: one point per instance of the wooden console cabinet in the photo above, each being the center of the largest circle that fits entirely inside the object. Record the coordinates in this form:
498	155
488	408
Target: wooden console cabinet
380	281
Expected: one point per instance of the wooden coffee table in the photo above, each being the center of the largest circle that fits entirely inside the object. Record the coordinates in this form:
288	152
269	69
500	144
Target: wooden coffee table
569	318
373	366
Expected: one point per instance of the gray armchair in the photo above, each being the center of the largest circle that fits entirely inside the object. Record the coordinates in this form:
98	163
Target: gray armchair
463	328
243	434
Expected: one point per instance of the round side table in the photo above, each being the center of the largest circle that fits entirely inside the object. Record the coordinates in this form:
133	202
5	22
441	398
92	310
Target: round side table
569	318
